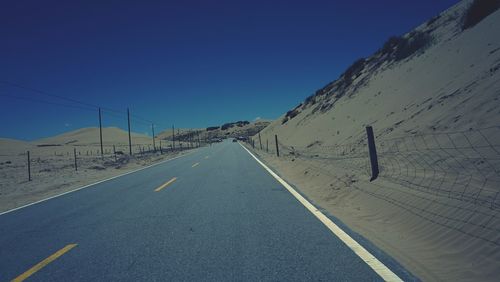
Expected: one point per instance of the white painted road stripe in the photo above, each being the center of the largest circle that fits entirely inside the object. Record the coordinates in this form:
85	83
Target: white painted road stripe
89	185
366	256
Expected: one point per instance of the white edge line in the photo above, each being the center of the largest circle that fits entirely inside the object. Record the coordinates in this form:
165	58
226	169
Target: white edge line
95	183
382	270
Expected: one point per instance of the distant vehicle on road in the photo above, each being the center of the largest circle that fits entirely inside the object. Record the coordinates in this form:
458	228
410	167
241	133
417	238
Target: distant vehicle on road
241	138
235	140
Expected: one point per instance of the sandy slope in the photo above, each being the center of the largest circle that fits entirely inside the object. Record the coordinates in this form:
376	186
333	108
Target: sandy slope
88	136
436	210
6	146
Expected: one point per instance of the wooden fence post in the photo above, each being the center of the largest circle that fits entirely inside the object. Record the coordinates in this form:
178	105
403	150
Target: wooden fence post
260	141
29	167
277	148
373	153
76	166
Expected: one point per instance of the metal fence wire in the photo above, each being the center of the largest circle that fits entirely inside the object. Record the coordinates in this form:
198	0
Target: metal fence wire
451	179
463	165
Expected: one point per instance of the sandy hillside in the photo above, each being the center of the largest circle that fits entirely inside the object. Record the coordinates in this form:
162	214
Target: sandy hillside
235	129
87	136
227	130
167	134
7	144
432	97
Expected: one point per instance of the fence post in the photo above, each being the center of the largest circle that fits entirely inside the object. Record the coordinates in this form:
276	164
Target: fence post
114	152
277	148
74	152
373	152
129	137
260	142
253	143
267	145
29	167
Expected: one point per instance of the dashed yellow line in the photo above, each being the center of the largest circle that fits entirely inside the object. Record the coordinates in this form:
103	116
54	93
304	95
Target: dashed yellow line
43	263
166	184
196	164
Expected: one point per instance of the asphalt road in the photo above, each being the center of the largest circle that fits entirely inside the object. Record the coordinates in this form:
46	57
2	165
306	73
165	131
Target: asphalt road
224	217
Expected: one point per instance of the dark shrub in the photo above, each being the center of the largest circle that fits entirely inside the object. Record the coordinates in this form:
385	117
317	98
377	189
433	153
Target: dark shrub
293	113
433	20
399	48
310	100
227	126
211	128
478	10
391	44
415	42
242	123
354	70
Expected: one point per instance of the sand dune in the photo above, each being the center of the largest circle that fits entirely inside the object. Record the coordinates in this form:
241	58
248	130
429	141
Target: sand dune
90	135
436	117
7	145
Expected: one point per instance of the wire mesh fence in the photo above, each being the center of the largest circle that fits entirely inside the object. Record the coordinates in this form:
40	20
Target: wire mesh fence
451	179
463	165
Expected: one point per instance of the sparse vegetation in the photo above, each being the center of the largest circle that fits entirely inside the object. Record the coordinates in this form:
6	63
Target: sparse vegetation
478	10
354	70
310	100
398	47
433	20
240	123
226	126
212	128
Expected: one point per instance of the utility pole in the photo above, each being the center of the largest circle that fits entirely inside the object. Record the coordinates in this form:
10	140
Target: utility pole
173	138
153	129
29	167
76	166
129	138
100	133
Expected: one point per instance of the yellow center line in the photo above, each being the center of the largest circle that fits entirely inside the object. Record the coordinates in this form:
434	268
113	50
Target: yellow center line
195	164
43	263
166	184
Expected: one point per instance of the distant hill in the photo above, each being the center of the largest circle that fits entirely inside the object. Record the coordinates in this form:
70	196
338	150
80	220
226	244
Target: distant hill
235	129
227	130
90	136
8	145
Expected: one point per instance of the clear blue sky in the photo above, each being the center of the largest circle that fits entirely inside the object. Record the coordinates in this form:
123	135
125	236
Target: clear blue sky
188	63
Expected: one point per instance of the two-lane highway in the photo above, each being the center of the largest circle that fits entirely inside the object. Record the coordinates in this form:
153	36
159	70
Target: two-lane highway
215	214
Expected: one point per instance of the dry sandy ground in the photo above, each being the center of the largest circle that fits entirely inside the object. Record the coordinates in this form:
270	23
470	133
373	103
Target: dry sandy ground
53	162
436	238
436	118
52	175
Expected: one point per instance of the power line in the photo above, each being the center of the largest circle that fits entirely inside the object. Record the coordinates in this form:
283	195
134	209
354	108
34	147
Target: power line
47	94
87	106
47	102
